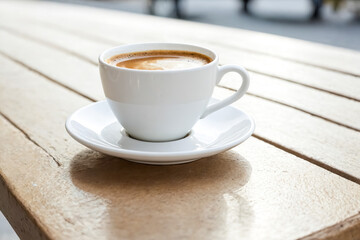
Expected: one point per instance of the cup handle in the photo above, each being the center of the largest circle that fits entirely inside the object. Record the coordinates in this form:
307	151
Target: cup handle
222	70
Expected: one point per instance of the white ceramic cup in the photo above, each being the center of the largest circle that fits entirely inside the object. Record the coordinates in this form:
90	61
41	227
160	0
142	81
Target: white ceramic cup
163	105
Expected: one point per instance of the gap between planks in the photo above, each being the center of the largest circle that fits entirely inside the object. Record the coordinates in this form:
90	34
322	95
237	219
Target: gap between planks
47	77
332	232
296	108
274	144
38	40
20	210
284	58
105	40
305	85
29	138
345	230
227	45
309	159
19	34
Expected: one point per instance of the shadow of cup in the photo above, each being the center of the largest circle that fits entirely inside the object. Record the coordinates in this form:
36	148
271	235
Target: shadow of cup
187	199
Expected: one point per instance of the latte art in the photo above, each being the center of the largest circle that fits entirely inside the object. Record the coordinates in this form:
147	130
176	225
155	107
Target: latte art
160	60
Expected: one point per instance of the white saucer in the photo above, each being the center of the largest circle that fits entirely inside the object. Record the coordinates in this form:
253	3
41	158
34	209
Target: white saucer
96	127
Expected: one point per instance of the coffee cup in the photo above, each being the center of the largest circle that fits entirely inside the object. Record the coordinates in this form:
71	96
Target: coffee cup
164	105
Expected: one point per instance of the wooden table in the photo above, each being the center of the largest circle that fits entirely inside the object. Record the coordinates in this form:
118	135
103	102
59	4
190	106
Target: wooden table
297	177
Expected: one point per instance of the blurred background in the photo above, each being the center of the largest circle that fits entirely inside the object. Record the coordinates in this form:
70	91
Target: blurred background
332	22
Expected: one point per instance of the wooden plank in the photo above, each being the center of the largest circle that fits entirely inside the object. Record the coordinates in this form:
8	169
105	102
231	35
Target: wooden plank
296	50
344	230
314	54
78	74
16	207
38	197
80	46
81	21
267	194
318	103
316	140
11	89
316	78
342	111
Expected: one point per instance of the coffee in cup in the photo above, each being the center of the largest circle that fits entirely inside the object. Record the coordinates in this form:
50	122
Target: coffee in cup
160	90
159	60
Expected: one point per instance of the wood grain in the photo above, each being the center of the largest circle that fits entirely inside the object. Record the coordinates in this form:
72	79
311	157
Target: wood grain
243	192
317	139
22	220
52	187
332	108
293	49
79	22
49	62
344	230
309	100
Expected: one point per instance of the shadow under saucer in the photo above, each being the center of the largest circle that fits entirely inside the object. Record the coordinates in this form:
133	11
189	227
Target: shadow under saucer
177	200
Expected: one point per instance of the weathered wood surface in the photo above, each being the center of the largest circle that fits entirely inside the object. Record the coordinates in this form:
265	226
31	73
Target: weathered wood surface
344	230
261	43
79	21
255	194
321	104
280	124
287	182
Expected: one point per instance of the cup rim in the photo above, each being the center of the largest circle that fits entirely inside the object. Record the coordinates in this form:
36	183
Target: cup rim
213	62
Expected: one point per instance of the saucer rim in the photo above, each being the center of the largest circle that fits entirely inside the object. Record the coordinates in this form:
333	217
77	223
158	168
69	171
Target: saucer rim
159	156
